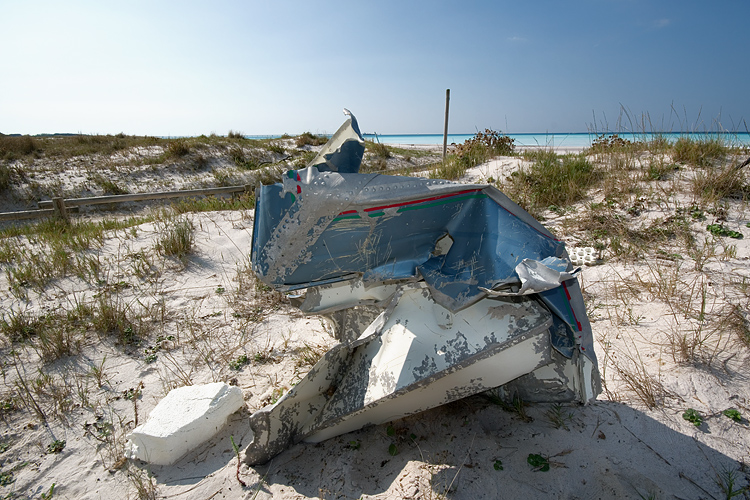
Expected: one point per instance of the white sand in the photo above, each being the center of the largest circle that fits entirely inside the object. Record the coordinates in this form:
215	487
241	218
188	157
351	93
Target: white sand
613	448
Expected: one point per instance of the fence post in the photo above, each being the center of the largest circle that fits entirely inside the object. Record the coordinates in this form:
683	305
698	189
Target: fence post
445	130
62	212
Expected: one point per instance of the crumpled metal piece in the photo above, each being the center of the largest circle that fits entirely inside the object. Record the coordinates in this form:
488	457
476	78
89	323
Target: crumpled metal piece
473	293
344	152
539	276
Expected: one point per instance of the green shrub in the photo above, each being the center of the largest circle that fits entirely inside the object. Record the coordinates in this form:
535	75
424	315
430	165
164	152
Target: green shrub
472	152
275	147
700	152
553	180
606	143
177	148
482	147
14	146
309	139
242	160
379	150
4	177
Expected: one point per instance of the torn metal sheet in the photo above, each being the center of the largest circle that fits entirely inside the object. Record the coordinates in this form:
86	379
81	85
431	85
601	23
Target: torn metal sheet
344	152
438	290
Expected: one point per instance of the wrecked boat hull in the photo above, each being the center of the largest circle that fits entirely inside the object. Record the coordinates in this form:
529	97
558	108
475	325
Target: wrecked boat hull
438	290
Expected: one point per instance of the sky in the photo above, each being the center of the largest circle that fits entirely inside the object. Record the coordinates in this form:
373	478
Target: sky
186	68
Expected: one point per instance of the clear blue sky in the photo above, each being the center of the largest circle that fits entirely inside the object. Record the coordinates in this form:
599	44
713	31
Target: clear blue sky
275	66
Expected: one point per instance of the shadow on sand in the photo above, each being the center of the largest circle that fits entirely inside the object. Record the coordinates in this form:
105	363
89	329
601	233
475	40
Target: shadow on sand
474	449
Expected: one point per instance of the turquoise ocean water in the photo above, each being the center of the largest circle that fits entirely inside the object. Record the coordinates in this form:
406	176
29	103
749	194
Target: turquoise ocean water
557	140
550	140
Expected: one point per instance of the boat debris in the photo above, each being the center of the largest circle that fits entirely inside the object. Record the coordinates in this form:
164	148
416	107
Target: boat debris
437	290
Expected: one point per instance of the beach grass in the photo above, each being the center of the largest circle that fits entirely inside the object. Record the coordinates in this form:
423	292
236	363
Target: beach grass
552	180
645	208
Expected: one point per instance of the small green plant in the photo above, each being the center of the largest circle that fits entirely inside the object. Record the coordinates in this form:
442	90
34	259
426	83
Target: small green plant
7	405
133	393
239	462
162	342
538	462
693	416
354	444
497	465
56	446
48	494
220	290
103	429
243	160
516	405
262	357
238	363
393	450
659	170
727	481
558	417
6	478
277	393
720	230
733	414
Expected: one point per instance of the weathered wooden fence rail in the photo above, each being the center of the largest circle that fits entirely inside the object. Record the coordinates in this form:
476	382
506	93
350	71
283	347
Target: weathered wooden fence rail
26	214
59	206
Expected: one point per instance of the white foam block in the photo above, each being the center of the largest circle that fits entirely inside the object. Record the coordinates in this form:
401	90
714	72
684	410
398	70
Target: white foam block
185	418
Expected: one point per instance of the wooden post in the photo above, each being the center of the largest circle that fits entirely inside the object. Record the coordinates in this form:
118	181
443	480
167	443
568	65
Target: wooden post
60	209
445	129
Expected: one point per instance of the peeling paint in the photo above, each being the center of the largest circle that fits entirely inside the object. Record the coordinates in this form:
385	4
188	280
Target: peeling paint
436	290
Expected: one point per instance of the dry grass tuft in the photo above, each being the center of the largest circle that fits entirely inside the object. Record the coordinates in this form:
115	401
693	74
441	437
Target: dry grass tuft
176	238
701	152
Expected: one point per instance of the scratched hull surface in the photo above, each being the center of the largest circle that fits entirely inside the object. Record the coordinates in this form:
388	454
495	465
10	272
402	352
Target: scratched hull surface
439	290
